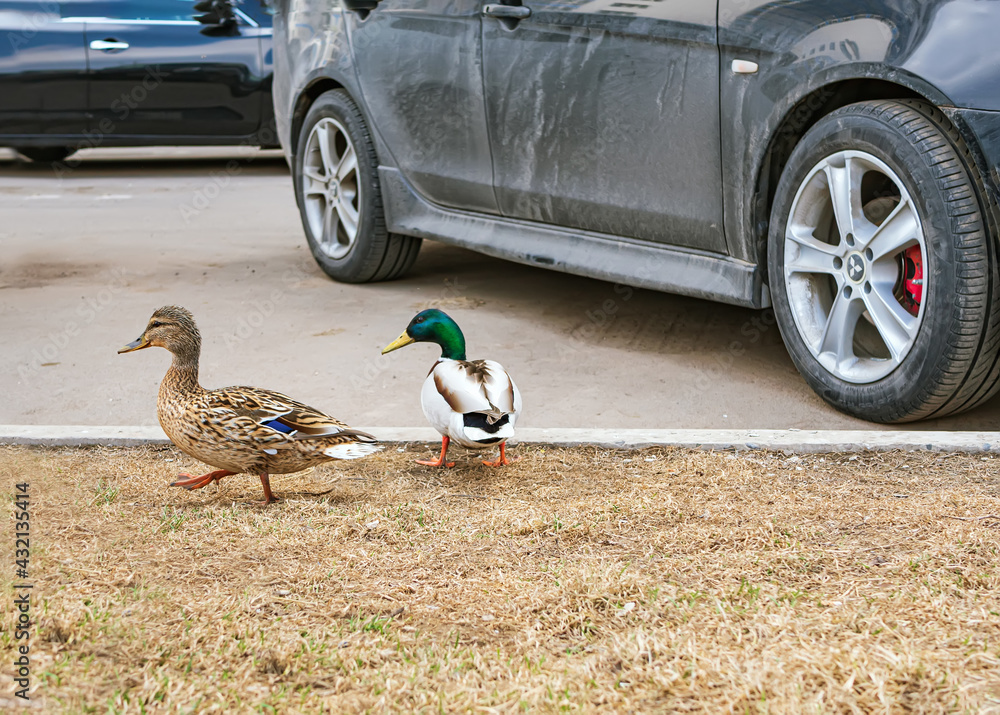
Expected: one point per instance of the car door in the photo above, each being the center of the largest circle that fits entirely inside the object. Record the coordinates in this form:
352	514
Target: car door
604	115
43	70
420	72
156	71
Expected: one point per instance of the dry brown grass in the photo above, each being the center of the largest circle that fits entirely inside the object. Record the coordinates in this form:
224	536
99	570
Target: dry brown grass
576	579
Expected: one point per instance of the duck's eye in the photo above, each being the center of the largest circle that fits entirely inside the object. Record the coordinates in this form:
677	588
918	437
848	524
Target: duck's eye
420	319
156	324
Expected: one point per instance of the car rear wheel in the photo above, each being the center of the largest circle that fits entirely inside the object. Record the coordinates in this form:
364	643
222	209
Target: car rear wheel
45	154
339	196
882	274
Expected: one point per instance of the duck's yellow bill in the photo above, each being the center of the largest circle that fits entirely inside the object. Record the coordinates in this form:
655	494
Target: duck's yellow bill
134	345
402	341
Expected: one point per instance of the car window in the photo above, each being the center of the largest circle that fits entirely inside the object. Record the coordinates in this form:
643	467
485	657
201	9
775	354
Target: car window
260	11
147	10
27	10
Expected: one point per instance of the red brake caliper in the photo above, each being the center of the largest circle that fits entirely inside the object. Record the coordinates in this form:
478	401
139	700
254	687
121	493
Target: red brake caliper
913	279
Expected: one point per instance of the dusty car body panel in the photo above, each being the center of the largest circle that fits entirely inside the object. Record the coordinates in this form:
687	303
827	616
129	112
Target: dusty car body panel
605	117
314	51
434	99
638	263
807	50
595	145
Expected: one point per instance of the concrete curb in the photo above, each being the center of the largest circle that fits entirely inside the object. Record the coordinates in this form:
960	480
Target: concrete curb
801	441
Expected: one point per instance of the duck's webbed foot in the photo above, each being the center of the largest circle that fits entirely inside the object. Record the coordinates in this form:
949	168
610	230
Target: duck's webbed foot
439	462
502	461
191	482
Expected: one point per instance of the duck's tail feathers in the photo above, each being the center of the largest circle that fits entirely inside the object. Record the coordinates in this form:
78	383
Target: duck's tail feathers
358	435
482	428
333	431
352	450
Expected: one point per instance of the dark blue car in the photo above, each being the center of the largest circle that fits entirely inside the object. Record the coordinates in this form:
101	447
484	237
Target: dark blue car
88	73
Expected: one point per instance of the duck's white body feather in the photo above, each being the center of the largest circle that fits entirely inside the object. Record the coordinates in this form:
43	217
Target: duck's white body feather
475	403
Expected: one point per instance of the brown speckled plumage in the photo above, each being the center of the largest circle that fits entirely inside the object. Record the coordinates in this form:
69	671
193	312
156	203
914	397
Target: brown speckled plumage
228	427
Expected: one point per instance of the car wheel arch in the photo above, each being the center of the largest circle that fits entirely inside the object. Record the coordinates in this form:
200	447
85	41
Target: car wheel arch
789	126
313	90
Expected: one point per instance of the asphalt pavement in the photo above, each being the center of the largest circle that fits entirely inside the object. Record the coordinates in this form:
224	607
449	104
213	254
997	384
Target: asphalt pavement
89	251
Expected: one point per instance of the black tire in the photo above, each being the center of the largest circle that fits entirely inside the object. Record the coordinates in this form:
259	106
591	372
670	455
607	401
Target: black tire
952	362
45	154
373	254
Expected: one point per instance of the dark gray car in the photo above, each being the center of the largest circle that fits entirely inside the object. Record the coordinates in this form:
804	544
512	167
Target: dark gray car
835	159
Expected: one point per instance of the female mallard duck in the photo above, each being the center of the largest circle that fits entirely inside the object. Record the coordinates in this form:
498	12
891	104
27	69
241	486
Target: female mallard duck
238	429
473	402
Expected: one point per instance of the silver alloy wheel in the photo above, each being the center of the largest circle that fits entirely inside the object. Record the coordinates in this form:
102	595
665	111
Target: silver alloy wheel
854	259
331	188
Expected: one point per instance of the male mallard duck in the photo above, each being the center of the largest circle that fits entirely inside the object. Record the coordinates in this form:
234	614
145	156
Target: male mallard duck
474	402
238	429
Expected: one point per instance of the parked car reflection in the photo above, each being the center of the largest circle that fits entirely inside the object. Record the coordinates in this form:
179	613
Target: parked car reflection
88	73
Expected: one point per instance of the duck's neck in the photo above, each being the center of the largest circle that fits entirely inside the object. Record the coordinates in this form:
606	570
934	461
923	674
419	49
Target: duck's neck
453	351
452	342
182	376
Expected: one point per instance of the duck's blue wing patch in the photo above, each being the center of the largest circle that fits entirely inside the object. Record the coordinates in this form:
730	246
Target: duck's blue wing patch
279	426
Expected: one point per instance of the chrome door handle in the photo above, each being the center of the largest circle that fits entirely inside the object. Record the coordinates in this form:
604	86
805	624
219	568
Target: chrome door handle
512	12
108	45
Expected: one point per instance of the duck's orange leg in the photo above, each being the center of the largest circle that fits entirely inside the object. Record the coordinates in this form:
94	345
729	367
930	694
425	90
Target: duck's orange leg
192	482
440	460
269	497
503	461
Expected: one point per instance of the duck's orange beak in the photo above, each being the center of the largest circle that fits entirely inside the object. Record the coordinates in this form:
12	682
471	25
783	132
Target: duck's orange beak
135	345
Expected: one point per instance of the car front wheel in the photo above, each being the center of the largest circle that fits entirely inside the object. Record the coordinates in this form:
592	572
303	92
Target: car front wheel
880	267
339	197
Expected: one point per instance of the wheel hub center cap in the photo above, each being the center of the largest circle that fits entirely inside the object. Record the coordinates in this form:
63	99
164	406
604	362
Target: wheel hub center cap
854	266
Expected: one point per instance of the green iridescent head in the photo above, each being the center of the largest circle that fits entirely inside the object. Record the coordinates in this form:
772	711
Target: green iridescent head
432	326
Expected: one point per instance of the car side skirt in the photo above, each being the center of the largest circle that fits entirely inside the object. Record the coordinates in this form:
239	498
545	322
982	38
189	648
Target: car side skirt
96	141
641	264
